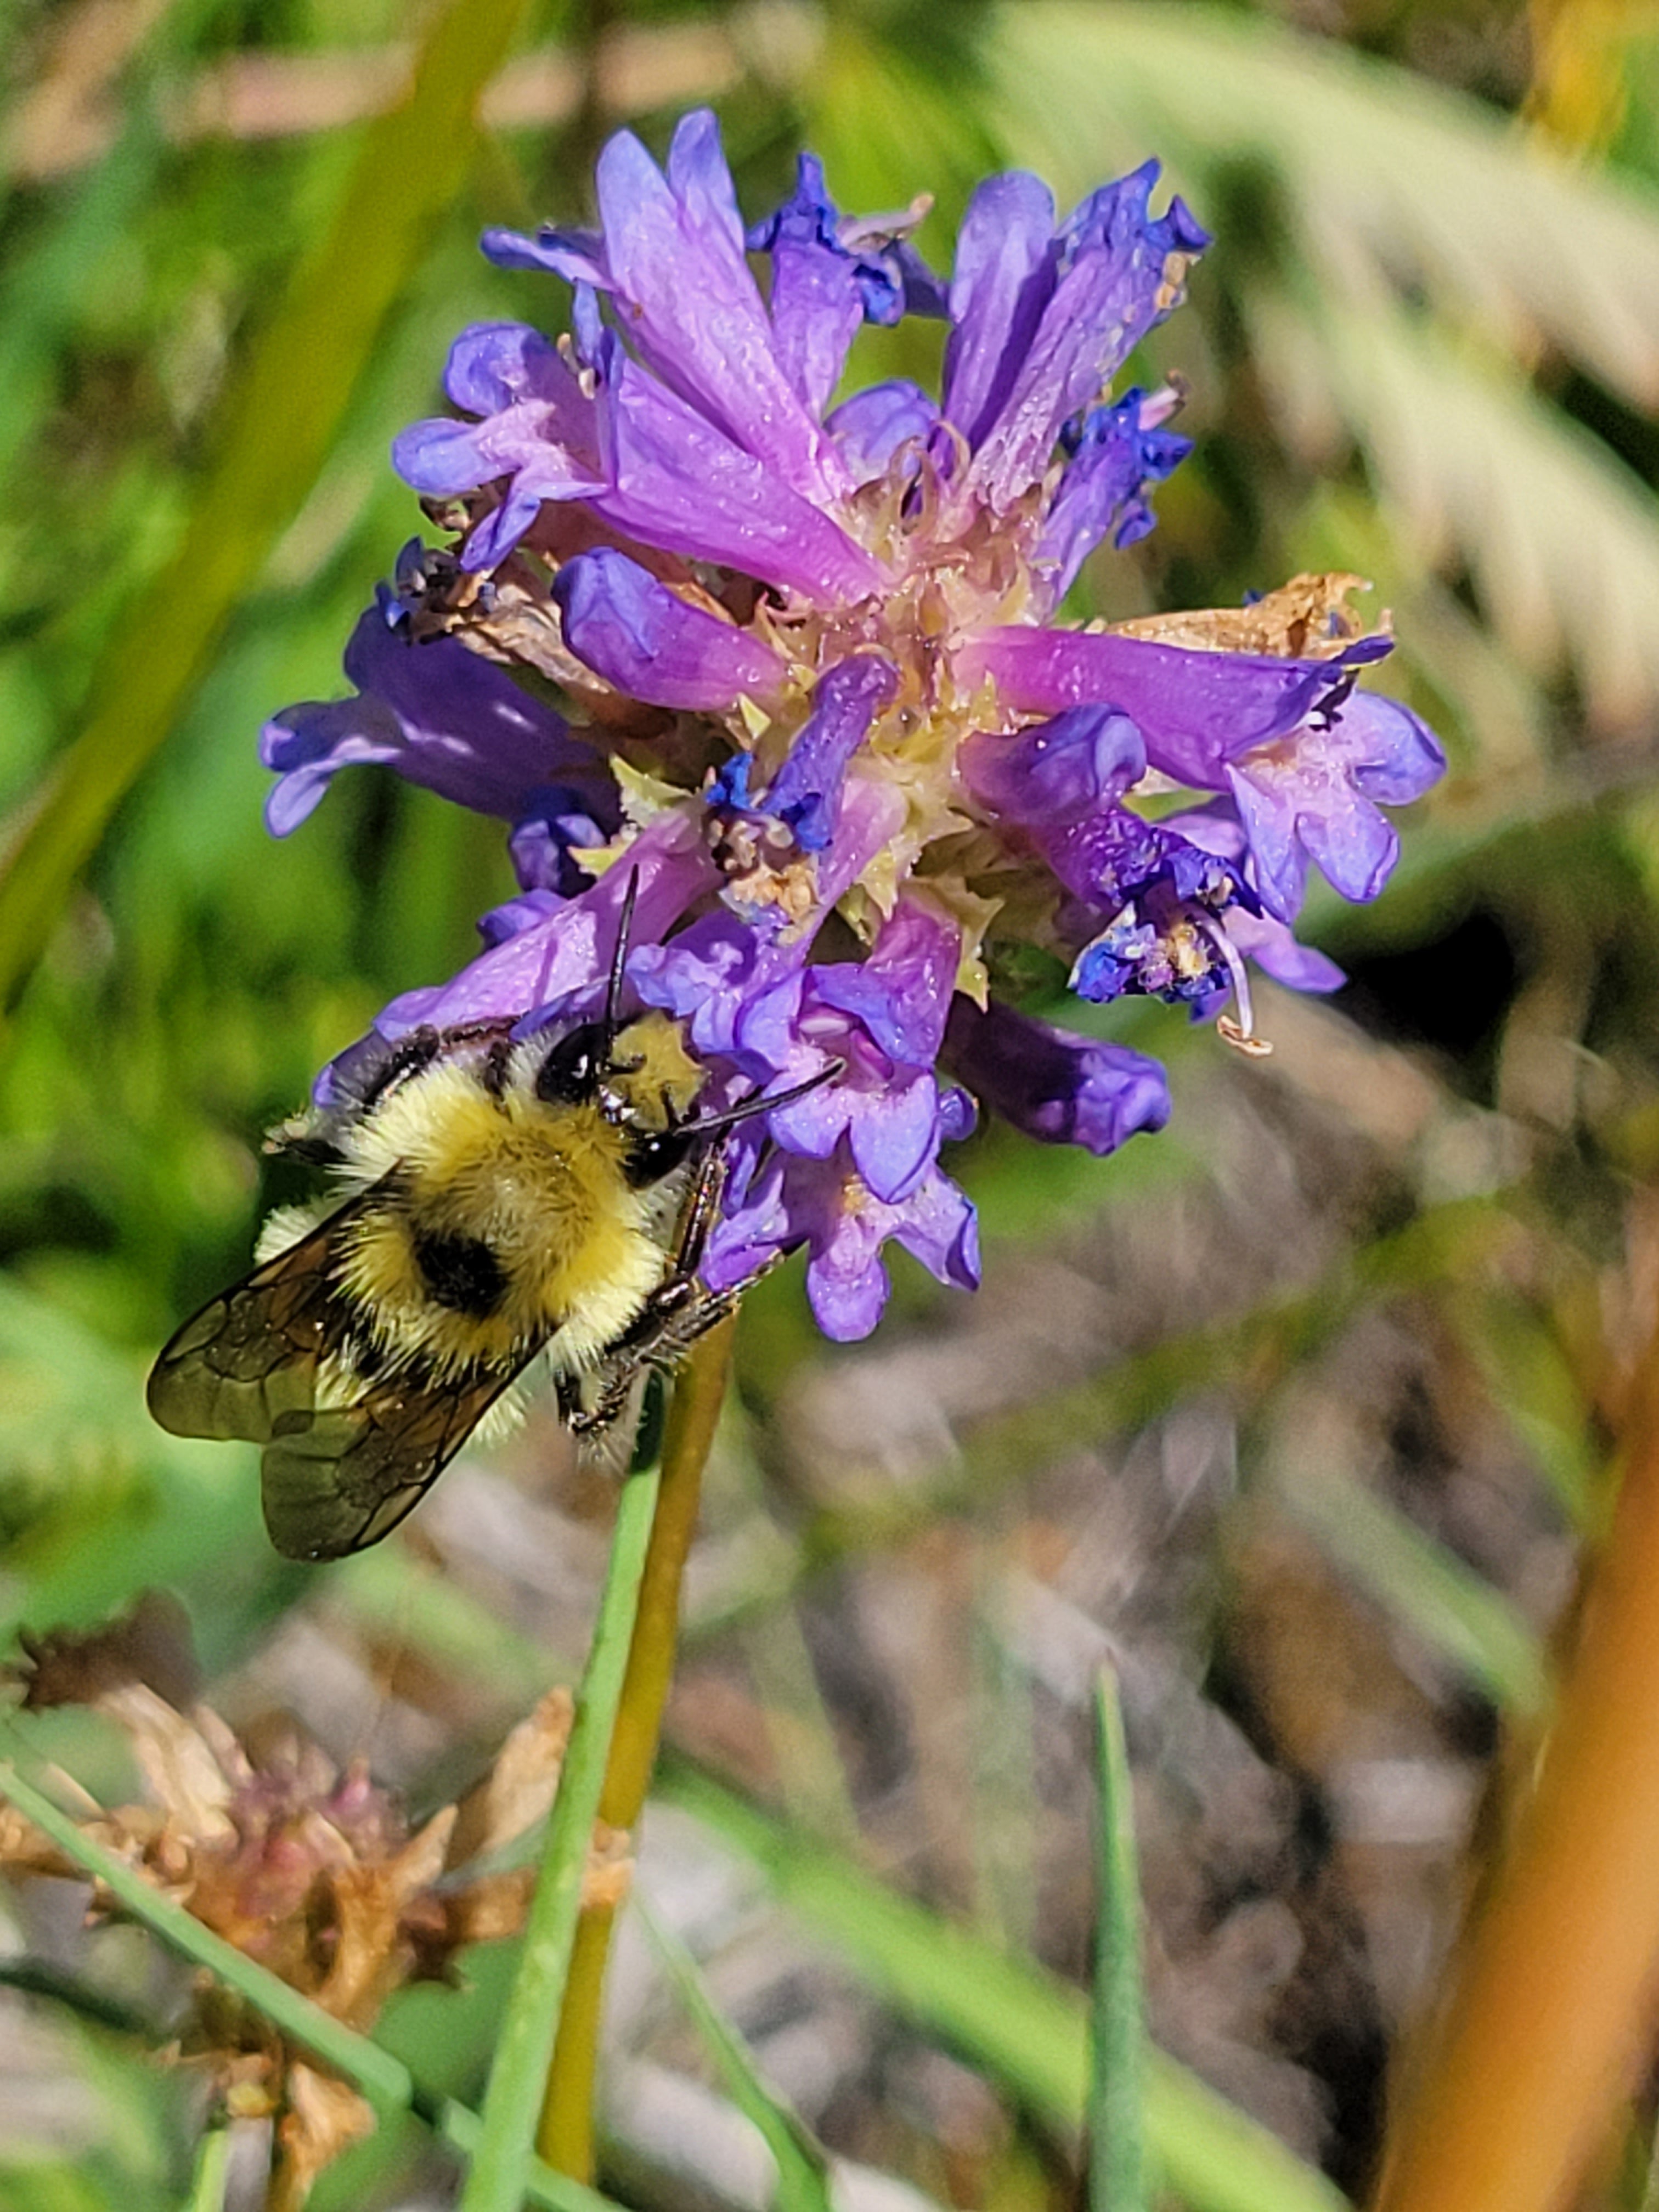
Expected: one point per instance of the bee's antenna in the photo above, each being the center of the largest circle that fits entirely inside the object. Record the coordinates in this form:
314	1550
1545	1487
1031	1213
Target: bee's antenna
762	1103
613	989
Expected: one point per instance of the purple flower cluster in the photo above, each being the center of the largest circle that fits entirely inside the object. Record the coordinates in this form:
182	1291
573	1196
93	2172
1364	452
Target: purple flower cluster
814	694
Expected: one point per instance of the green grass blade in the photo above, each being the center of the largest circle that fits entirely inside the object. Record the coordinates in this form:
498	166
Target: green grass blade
385	2080
1023	2027
803	2172
1417	1580
518	2078
212	2170
280	420
1116	2132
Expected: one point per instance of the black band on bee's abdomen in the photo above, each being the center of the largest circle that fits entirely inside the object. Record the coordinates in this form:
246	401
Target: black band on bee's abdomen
461	1272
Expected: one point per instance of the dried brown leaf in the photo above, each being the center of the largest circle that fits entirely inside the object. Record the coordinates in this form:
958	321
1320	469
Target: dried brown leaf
519	1788
324	2116
1307	619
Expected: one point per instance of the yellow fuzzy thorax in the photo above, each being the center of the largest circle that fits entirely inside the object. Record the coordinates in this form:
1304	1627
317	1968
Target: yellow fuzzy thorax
542	1187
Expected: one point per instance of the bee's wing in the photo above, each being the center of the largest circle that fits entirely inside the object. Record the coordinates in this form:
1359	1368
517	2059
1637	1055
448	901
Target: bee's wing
249	1360
337	1478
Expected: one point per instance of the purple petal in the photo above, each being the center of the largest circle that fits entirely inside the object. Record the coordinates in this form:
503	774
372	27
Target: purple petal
823	1204
678	482
1007	262
939	1227
1196	710
555	819
578	255
902	992
958	1114
493	366
817	300
891	1146
712	975
689	305
871	426
769	1031
1396	755
847	1285
568	949
775	1215
701	181
539	426
796	1202
637	634
1114	458
530	910
829	274
1269	943
1054	772
548	448
806	791
1310	798
890	1121
441	717
1113	856
1117	263
871	815
1053	1085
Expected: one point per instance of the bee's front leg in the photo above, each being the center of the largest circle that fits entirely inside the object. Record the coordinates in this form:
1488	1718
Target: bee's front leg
679	1311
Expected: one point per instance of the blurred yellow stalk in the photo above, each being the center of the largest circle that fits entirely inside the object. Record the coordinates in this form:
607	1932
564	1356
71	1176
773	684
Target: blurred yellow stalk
1550	2019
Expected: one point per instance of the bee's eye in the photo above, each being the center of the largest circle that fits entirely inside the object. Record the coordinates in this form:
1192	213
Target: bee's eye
570	1076
654	1154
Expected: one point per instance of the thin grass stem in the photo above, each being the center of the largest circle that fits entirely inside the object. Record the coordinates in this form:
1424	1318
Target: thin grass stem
212	2170
1117	2069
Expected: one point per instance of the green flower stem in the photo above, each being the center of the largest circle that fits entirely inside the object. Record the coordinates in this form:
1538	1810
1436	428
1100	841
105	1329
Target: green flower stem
507	2122
565	2137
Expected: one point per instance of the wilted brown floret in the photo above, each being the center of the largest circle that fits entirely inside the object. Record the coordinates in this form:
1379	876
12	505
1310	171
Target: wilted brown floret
309	1870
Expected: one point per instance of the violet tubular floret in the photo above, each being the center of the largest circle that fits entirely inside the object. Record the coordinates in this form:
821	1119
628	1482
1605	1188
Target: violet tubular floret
815	702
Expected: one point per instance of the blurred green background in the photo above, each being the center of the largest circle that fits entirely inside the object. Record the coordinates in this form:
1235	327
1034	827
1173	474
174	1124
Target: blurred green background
1296	1412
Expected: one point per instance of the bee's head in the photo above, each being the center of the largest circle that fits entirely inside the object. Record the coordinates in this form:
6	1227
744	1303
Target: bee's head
643	1079
575	1066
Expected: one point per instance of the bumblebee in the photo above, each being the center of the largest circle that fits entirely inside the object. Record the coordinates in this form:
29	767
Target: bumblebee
501	1198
